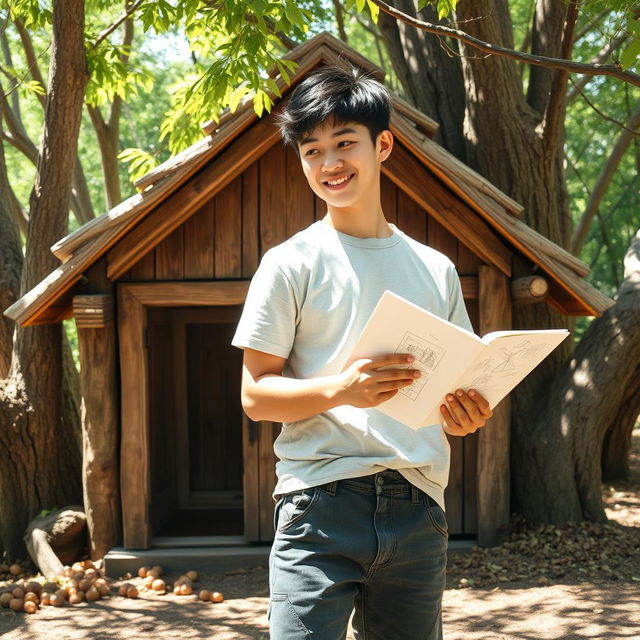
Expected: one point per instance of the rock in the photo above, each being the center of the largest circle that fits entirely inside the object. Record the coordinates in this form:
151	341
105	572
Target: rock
57	539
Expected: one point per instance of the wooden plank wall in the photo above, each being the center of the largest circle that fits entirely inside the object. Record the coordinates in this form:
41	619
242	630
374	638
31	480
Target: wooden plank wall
264	206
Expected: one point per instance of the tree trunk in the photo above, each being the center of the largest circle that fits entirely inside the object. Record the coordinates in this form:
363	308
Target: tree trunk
617	440
39	432
430	76
516	142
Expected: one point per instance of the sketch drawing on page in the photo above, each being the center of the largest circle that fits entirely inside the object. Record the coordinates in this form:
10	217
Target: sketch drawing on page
427	357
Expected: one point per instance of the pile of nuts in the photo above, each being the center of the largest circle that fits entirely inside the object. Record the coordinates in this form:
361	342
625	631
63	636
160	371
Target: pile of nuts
79	582
183	586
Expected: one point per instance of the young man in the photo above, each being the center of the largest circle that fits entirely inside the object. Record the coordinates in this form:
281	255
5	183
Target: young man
359	516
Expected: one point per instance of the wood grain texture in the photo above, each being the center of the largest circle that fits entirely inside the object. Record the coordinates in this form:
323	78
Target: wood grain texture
273	224
177	294
298	203
228	231
170	256
145	269
250	222
134	443
198	243
494	438
181	204
100	429
412	218
250	481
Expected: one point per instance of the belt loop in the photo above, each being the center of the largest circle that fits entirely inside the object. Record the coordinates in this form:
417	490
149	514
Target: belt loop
415	495
331	487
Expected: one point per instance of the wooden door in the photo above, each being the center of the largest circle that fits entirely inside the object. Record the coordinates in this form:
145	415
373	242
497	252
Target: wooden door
208	410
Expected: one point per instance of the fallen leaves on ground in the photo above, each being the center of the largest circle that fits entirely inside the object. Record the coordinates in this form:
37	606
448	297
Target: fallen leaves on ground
575	552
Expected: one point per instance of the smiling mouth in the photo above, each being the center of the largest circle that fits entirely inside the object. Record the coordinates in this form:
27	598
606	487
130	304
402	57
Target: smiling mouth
335	183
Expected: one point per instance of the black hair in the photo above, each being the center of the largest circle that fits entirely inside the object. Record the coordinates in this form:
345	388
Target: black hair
331	92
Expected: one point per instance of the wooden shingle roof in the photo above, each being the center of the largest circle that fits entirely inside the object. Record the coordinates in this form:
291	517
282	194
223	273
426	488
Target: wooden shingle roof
208	165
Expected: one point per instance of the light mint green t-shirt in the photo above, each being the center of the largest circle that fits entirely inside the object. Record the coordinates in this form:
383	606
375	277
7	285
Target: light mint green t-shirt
308	302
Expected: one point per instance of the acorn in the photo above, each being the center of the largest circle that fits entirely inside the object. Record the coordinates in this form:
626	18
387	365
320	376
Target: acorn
29	606
159	585
92	594
192	575
15	569
205	595
57	600
5	599
216	596
132	592
142	571
16	604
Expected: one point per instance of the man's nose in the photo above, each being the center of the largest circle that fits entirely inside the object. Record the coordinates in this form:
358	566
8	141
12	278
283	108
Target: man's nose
331	162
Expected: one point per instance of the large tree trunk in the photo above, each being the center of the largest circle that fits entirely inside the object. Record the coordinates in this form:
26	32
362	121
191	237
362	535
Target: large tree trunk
39	426
430	76
515	139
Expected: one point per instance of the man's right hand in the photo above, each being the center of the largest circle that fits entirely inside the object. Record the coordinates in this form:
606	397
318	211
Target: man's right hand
370	381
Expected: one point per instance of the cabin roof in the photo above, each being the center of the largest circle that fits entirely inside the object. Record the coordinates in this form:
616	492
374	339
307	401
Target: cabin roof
51	299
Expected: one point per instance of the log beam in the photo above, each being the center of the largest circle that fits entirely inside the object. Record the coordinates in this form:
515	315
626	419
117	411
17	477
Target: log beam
529	289
493	475
100	481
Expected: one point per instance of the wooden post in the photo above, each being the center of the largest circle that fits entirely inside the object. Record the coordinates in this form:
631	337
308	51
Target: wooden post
493	439
100	476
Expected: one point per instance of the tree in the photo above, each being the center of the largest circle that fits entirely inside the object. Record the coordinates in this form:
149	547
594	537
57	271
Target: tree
39	425
557	434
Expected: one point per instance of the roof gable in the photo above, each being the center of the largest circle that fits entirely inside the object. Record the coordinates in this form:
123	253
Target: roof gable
121	230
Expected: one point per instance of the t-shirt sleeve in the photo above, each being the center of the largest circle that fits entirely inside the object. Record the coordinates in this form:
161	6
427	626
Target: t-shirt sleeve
457	310
269	316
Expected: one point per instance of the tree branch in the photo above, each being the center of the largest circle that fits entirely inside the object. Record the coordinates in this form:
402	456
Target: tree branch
541	61
32	58
603	54
556	105
111	28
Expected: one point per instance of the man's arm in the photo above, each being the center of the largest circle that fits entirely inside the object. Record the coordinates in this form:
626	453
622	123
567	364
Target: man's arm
268	395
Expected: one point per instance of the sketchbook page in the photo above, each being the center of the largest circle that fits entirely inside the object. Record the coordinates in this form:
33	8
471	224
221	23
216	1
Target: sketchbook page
507	360
442	350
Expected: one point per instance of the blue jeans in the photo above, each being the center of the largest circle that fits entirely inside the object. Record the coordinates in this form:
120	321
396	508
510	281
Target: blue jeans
377	544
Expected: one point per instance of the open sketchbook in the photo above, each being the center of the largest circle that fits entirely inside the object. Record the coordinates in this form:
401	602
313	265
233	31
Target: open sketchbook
449	357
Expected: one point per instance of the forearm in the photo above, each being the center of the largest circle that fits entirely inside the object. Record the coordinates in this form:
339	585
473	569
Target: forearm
281	399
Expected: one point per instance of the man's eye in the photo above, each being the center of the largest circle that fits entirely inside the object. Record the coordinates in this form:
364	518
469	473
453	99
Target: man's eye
310	152
344	143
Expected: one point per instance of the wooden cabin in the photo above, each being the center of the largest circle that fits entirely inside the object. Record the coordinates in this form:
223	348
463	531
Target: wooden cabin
156	286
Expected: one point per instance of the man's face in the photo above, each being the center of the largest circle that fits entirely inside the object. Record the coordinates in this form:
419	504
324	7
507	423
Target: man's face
341	163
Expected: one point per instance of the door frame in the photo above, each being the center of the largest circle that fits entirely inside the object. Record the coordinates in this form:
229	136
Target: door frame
133	300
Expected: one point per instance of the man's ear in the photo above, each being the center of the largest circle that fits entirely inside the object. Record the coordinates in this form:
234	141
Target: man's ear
384	144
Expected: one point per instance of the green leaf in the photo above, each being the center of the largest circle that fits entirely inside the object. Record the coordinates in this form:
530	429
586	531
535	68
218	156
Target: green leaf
374	10
629	57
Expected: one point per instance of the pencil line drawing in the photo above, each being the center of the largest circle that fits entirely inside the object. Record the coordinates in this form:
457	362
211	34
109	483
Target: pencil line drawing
427	357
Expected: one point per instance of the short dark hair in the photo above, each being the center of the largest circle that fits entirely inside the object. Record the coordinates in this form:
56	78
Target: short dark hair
331	92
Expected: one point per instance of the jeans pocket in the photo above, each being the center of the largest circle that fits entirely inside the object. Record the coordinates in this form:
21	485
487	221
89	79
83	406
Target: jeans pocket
294	506
284	621
437	515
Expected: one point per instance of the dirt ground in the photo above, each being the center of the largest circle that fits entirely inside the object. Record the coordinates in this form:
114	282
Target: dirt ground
571	584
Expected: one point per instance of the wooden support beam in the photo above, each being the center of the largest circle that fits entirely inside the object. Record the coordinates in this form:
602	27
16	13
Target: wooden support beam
93	311
529	289
134	402
493	475
100	433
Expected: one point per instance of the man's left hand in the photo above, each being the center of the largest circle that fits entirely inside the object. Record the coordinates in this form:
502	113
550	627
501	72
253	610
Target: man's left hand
464	412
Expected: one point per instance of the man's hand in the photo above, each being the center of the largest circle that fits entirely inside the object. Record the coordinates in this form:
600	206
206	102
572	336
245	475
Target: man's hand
370	381
465	413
